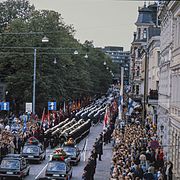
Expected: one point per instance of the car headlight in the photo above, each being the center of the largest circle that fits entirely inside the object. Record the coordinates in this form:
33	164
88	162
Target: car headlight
63	175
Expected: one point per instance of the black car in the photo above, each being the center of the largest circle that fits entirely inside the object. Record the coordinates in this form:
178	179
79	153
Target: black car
34	152
59	169
73	152
14	166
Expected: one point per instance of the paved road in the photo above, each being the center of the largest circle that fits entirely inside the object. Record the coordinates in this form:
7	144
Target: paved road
38	170
103	167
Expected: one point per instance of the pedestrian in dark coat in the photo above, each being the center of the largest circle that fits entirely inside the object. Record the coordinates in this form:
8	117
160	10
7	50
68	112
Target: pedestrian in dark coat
105	137
99	149
20	143
138	172
169	172
88	169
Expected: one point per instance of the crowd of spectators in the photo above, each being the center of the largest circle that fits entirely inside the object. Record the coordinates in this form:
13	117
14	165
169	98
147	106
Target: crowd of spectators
13	137
14	132
135	158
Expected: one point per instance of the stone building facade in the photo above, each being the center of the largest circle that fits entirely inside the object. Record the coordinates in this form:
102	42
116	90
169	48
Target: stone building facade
169	83
146	19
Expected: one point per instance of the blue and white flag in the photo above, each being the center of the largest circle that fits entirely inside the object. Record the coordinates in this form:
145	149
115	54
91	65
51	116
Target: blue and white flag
120	106
120	103
24	123
127	88
131	105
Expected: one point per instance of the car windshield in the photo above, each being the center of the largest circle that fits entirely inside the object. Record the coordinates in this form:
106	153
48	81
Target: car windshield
10	164
70	150
56	166
31	149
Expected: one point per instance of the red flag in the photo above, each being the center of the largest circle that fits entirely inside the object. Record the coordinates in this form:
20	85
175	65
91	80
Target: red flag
106	117
61	112
43	115
48	117
73	106
114	106
79	104
54	114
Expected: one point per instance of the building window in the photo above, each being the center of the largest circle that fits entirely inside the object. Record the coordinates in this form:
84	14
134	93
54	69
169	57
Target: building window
137	89
139	33
158	57
137	73
139	53
133	75
138	70
144	33
133	90
178	30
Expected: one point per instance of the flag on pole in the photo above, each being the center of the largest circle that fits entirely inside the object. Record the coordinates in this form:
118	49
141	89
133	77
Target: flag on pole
54	114
79	104
120	106
131	105
114	106
24	124
61	112
64	107
120	102
48	117
43	116
106	117
127	88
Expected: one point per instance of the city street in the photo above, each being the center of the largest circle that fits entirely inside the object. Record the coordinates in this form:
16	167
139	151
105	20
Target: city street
38	170
66	72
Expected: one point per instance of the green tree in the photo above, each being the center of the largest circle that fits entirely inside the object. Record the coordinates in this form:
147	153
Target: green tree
72	77
11	10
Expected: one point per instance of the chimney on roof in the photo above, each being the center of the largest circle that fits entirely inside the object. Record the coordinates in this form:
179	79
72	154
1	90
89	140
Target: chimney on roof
134	36
144	3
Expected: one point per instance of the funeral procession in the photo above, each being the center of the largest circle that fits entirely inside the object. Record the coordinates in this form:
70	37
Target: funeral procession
89	90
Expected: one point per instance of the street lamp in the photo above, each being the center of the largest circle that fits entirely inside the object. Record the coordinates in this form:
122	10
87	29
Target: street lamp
86	56
104	63
44	40
75	52
55	61
145	50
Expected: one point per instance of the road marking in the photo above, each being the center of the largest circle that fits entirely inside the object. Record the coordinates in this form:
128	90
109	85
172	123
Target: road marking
85	149
41	171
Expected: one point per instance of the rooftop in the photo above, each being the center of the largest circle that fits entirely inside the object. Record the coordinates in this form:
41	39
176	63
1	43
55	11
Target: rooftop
145	16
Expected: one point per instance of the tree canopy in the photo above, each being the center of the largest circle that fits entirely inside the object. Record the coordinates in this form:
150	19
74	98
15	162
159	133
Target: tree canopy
72	77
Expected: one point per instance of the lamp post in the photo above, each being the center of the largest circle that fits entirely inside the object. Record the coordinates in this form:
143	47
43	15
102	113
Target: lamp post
145	85
34	84
44	40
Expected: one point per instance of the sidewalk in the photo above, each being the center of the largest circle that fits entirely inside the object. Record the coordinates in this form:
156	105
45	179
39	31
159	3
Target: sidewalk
103	167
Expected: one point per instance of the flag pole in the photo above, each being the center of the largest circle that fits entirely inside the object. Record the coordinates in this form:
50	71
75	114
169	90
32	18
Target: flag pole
121	95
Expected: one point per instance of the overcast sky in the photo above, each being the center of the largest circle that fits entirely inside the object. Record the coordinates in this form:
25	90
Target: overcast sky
106	22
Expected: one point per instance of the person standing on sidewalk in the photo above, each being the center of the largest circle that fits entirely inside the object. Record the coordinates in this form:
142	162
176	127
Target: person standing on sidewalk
99	148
